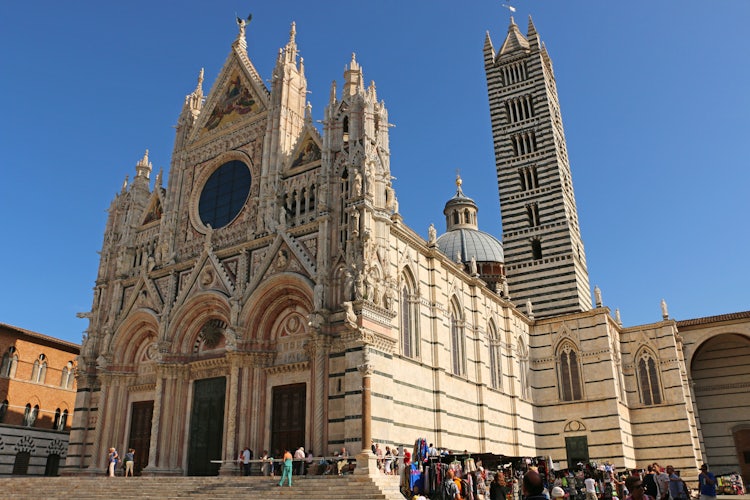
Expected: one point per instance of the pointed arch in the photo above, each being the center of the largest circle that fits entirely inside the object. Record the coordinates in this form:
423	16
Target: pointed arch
495	354
648	376
568	371
9	363
409	309
458	351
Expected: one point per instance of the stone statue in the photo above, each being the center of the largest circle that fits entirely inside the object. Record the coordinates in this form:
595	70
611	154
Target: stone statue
350	318
348	285
357	184
431	235
242	23
318	296
617	317
529	309
473	266
359	288
598	296
664	311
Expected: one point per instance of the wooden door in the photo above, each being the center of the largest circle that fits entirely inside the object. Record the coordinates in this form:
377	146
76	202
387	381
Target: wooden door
206	427
288	417
140	434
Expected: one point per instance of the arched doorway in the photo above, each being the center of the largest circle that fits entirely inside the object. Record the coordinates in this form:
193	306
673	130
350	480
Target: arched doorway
720	372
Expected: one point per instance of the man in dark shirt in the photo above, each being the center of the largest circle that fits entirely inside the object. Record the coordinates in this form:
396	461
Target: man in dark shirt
533	487
707	482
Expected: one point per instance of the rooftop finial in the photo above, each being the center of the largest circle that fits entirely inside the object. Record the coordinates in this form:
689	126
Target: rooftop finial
458	178
200	80
292	32
242	23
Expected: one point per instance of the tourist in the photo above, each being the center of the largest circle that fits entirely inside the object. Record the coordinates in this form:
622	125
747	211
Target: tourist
245	457
129	461
343	456
707	484
662	482
649	482
533	486
388	465
590	487
448	489
676	486
498	487
379	455
299	455
286	469
634	485
416	495
557	493
112	460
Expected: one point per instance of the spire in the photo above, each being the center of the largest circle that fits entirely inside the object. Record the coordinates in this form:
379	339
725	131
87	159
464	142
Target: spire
489	50
532	35
514	41
143	167
194	101
291	47
353	77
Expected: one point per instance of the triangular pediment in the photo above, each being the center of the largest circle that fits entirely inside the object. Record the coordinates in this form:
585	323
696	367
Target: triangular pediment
238	95
307	154
142	295
285	255
154	211
208	275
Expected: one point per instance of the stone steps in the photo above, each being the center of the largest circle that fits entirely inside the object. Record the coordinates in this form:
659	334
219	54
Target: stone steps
260	488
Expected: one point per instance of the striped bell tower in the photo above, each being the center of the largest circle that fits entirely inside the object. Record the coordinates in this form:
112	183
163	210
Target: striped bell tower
544	257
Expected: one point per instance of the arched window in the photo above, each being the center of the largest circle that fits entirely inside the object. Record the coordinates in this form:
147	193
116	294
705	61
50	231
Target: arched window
39	371
66	381
568	372
648	378
458	359
56	422
9	364
27	415
63	421
409	318
3	410
496	357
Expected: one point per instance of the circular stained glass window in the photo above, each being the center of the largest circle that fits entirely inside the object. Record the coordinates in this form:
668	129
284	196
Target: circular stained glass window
224	194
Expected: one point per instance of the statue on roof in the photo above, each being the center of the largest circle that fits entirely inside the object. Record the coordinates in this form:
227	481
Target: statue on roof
242	23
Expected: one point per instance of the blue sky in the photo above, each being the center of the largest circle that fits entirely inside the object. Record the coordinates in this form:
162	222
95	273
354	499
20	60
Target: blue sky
654	102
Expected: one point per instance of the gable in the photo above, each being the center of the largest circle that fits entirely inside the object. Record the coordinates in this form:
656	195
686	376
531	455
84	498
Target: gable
154	211
237	96
307	153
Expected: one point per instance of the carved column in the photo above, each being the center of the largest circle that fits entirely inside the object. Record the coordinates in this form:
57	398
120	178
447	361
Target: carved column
153	445
230	445
319	354
96	453
366	460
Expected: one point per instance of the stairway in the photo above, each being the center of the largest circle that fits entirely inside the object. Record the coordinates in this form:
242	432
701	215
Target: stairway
350	487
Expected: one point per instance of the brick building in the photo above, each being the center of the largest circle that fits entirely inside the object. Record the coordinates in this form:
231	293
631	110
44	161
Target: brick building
37	396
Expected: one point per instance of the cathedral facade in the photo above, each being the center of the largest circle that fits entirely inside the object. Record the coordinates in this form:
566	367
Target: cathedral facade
272	297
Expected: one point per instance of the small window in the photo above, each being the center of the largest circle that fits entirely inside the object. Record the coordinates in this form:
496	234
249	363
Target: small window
536	249
3	410
56	422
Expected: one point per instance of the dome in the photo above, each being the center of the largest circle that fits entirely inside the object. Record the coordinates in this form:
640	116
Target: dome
471	243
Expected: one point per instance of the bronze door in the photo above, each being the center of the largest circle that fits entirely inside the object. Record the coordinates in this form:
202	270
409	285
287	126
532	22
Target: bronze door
140	434
288	417
577	449
206	427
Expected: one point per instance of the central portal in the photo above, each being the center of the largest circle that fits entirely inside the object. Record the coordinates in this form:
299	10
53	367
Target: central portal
288	417
206	426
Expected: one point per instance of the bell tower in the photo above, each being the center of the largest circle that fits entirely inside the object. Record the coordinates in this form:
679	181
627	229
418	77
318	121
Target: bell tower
544	257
